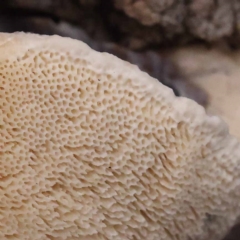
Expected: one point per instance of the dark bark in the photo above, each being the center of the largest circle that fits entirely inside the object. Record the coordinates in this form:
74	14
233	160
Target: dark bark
173	22
139	24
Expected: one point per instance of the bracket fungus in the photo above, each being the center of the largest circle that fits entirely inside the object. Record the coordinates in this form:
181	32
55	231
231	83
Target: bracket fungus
93	148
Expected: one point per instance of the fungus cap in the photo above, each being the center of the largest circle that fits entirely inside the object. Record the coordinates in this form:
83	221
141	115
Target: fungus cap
93	148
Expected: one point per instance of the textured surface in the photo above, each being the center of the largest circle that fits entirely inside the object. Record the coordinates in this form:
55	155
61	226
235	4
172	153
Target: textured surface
159	67
175	20
151	12
207	19
217	71
93	148
151	62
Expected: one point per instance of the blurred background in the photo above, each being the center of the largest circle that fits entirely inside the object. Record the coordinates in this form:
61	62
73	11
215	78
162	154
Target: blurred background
191	46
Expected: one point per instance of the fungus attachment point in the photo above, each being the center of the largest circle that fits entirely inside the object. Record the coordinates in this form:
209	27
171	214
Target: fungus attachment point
119	158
